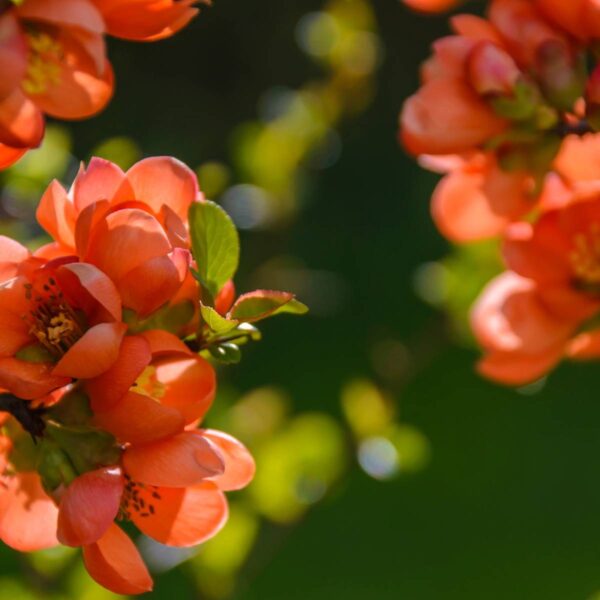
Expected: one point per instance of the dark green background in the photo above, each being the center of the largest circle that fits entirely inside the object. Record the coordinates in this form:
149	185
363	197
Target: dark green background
509	507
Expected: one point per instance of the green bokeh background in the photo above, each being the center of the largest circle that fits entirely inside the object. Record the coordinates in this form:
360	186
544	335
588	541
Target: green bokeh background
509	506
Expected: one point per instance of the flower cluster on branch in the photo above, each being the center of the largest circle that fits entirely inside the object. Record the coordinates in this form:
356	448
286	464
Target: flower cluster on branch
509	112
108	337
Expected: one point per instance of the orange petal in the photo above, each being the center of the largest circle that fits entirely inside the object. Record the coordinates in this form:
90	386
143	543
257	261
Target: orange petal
115	563
93	353
179	461
9	156
81	92
106	390
163	180
190	386
21	122
100	288
101	180
145	20
12	254
27	515
13	54
55	213
150	285
139	419
77	13
163	342
181	516
126	239
431	6
585	346
513	368
459	124
476	203
29	380
225	298
89	506
239	464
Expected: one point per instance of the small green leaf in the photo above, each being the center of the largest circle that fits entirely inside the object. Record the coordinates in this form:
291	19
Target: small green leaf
262	304
227	353
215	245
216	322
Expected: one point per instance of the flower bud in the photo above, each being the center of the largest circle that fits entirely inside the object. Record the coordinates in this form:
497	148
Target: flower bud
492	70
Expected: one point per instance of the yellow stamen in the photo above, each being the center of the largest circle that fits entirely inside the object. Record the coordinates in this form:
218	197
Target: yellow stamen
44	61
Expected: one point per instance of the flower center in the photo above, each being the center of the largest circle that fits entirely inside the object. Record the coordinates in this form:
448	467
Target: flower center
148	384
138	498
585	256
44	62
52	320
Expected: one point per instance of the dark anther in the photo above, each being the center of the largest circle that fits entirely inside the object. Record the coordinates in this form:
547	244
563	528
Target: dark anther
30	419
5	5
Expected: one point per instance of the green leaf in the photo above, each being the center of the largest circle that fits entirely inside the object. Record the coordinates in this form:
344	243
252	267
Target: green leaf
215	245
216	322
262	304
227	353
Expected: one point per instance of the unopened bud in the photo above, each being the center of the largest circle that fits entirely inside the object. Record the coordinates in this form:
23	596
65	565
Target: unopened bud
559	73
492	71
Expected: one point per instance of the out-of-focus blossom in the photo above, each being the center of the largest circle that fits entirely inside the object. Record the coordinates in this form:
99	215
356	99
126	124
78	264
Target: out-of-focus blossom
432	6
53	59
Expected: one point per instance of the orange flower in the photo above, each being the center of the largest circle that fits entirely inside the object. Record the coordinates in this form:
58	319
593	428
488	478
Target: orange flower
53	62
159	380
60	319
477	199
528	319
146	20
171	489
130	225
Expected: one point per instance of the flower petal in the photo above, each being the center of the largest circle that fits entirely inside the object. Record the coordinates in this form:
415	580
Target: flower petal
182	516
239	464
163	342
21	122
162	180
190	386
179	461
29	380
12	254
55	213
139	419
106	390
100	288
27	515
93	353
101	180
115	563
89	506
126	239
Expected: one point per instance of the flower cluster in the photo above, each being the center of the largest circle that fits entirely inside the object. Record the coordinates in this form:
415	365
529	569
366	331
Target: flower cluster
509	111
53	59
107	333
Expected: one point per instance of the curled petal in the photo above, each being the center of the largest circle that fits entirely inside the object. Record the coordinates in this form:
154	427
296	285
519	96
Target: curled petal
98	286
115	563
106	390
239	464
89	506
93	353
21	122
179	461
9	156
